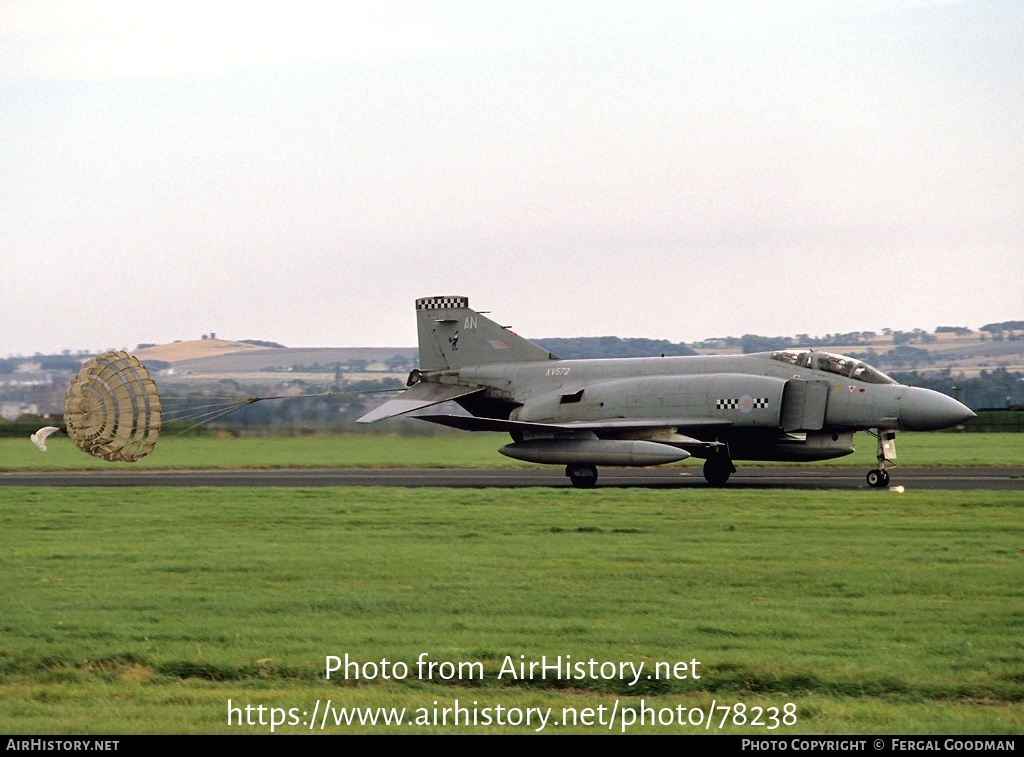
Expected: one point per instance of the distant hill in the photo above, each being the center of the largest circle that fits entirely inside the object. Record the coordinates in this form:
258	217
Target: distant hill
194	350
295	358
219	356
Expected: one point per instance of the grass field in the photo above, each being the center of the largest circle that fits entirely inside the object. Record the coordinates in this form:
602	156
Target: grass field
449	451
147	610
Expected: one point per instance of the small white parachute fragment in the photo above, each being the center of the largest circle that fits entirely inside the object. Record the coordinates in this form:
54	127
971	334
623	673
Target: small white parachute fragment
112	408
39	437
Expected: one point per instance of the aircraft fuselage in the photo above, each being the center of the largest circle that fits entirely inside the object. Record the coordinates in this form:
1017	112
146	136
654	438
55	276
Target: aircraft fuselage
782	405
762	408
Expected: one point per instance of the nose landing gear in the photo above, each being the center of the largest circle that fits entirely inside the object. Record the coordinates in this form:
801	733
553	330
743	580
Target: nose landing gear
879	477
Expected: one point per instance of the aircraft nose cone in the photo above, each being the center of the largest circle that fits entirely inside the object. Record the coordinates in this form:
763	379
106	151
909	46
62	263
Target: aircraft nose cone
925	410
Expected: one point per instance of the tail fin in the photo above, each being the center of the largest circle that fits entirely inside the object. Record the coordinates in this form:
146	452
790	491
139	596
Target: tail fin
453	336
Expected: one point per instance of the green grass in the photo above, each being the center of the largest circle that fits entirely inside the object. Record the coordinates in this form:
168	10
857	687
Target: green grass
349	451
448	451
146	610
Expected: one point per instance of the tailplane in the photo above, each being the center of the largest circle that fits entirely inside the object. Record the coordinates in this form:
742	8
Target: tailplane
452	336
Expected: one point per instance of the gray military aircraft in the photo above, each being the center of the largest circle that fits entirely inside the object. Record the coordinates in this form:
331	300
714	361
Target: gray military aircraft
788	405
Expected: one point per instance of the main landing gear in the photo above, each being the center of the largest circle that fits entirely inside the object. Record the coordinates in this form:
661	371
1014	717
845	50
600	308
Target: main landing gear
582	476
717	469
879	477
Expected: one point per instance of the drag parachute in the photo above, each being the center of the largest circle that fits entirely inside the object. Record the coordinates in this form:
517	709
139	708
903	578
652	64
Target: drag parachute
112	408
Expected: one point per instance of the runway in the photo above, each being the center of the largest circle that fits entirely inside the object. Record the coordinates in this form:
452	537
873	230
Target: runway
796	477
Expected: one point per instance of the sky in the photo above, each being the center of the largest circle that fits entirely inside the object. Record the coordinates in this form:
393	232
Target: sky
302	171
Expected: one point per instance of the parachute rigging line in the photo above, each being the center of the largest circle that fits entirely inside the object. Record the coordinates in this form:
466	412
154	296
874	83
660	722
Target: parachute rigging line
208	412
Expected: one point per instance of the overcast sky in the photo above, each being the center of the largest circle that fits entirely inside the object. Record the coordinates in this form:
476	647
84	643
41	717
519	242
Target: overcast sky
302	171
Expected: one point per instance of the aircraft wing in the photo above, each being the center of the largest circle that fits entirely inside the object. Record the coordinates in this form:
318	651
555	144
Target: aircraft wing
472	423
420	396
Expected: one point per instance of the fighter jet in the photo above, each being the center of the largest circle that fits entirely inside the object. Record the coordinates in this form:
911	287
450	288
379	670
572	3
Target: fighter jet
787	405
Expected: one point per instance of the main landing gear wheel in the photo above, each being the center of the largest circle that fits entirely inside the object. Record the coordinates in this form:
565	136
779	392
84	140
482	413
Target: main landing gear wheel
718	469
878	478
582	476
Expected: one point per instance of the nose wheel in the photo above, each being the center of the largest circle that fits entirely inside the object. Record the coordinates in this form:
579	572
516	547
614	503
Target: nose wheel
878	478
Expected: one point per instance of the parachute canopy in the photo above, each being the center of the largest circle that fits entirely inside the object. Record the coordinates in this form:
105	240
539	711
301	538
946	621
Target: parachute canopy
112	408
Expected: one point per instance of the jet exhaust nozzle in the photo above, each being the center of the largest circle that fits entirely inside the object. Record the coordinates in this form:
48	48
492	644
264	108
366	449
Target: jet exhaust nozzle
594	452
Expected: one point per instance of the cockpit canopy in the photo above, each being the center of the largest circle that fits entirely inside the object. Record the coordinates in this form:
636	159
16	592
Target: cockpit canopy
830	362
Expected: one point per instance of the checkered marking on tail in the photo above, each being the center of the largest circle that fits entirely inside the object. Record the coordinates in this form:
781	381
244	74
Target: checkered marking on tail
441	303
744	404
